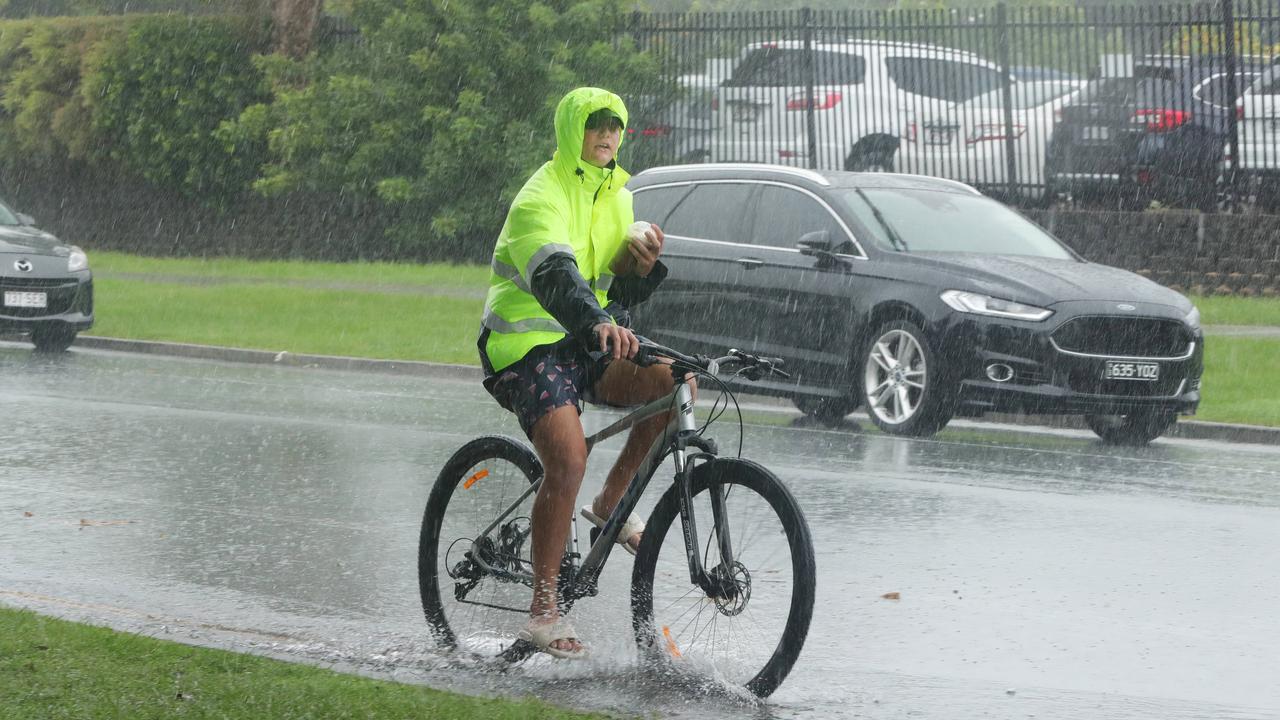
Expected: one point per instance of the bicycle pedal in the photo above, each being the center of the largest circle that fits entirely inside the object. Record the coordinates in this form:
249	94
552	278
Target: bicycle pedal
595	533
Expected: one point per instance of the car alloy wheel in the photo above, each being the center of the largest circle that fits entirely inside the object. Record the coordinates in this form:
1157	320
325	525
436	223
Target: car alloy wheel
900	382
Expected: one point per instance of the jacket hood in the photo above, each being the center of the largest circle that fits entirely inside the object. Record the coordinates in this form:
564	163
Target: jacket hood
571	121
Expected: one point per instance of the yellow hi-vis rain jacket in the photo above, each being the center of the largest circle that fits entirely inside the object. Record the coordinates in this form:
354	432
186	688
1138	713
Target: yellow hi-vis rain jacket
567	206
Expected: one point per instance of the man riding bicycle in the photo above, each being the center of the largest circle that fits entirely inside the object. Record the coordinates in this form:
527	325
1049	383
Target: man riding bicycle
567	264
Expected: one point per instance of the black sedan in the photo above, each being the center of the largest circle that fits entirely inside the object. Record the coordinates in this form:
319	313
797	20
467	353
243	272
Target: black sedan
918	298
46	288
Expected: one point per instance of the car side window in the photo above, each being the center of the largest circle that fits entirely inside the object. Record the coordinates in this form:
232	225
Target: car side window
654	204
712	211
942	79
784	215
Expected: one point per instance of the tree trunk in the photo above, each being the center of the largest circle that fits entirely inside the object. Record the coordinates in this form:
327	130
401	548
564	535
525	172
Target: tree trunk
294	26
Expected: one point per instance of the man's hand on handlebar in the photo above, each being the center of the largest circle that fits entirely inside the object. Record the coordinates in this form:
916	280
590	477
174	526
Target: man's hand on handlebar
616	340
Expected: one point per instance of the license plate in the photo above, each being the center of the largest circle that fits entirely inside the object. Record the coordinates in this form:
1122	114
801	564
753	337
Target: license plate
745	112
938	136
14	298
1125	370
1094	132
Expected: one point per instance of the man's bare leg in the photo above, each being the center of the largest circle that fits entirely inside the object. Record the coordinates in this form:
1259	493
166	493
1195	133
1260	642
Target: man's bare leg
625	383
557	437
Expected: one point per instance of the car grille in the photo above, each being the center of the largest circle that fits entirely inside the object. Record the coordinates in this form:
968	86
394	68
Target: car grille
61	292
1124	337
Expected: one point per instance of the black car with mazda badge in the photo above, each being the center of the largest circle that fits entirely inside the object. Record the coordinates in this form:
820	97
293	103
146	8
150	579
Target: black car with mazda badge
917	298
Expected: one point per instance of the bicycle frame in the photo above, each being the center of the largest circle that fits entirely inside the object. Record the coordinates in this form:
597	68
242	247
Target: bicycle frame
680	433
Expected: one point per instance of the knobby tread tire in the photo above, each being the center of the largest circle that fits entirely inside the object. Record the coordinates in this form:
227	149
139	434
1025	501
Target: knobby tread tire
466	457
799	540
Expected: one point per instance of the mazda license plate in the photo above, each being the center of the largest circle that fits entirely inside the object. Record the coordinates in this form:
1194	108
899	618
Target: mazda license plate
1128	370
15	298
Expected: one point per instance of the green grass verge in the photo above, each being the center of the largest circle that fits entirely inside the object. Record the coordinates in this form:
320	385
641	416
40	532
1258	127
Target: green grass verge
1227	310
435	276
297	319
56	669
260	305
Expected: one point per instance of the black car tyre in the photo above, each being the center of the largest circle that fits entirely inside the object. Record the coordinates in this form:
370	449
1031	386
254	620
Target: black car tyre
901	382
826	410
877	160
52	339
1137	428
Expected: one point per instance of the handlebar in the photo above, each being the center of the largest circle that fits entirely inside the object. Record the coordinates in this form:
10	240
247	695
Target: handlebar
754	367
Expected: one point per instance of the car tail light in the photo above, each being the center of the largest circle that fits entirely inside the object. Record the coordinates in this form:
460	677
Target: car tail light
1145	177
910	131
656	131
1158	120
801	102
1240	111
786	154
994	131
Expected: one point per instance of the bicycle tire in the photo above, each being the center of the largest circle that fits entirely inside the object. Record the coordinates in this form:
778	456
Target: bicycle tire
735	661
496	469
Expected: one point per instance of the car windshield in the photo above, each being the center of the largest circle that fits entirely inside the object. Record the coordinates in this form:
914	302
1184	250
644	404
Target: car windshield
7	216
928	221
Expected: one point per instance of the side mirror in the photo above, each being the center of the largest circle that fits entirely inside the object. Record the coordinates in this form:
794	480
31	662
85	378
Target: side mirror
815	244
26	219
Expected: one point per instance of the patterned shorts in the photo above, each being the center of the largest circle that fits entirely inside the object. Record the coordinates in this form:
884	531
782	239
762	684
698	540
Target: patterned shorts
549	377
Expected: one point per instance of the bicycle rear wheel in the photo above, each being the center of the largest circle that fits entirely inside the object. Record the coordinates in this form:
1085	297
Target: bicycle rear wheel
471	603
752	633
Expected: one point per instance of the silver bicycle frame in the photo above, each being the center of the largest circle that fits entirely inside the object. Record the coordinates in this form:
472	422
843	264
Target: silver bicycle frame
679	399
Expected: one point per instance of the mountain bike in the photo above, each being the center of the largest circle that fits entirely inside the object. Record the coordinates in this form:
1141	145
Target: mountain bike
731	593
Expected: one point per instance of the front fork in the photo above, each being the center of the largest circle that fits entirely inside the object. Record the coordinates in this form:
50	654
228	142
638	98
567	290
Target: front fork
717	583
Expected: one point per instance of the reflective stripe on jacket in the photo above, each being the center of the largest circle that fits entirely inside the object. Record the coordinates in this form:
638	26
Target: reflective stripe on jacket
567	206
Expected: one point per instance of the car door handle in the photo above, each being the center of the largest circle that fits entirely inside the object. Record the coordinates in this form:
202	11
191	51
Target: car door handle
749	262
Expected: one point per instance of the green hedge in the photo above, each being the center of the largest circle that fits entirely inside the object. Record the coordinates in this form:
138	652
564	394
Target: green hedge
141	93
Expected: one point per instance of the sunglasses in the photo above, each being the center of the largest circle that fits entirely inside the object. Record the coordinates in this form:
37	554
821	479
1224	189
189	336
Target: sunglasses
603	119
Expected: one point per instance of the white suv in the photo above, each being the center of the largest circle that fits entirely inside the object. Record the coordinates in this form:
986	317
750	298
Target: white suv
1258	117
867	96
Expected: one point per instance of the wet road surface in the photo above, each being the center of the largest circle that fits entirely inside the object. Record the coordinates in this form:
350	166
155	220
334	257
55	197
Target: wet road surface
276	510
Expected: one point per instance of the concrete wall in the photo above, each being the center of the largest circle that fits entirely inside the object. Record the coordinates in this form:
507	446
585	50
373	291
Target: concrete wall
1186	250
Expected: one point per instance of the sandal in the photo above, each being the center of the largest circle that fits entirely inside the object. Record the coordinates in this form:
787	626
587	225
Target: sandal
541	635
632	527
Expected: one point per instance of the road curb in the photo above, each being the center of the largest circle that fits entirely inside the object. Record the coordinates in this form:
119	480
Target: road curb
1190	429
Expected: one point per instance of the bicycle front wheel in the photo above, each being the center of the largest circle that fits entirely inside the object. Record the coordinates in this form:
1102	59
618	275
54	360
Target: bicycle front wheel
750	630
471	589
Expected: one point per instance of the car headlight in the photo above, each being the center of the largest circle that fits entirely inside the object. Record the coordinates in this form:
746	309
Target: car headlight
77	260
968	302
1193	318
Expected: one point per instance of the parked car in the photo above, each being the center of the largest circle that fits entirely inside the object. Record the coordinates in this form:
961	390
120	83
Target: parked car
46	288
674	126
867	96
918	298
1258	117
969	143
1156	134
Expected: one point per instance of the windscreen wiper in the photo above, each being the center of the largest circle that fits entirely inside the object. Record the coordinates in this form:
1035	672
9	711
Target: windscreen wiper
894	238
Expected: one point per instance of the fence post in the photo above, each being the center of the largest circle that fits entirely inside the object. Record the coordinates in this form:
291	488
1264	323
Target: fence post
1006	86
811	126
1233	93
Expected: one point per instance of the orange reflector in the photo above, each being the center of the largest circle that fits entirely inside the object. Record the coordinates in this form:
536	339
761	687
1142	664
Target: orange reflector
474	478
671	644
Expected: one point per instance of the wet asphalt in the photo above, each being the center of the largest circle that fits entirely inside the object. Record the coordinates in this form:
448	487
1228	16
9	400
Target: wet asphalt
275	510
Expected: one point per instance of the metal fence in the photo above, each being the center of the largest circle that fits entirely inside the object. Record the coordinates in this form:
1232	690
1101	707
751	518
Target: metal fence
1110	104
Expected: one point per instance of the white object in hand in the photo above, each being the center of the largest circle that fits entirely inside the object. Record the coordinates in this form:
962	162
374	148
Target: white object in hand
638	232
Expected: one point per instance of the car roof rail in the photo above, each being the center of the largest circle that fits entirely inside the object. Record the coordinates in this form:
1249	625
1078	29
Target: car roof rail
810	175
